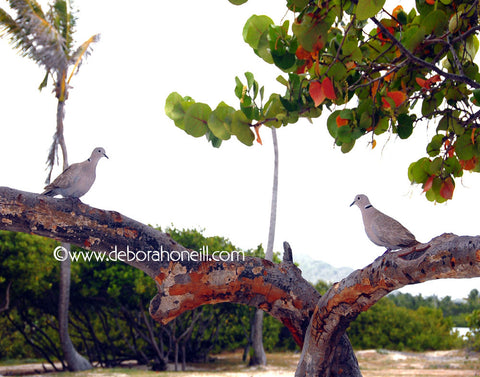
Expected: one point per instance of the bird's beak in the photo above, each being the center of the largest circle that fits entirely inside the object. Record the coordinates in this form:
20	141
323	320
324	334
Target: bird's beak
352	203
105	155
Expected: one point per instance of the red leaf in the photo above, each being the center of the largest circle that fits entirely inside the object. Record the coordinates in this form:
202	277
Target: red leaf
397	96
468	164
328	89
428	184
446	189
317	93
421	82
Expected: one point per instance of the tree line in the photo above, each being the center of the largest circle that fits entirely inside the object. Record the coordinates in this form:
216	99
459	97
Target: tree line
110	322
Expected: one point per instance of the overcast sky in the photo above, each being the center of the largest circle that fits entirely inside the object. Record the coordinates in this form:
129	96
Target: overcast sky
158	174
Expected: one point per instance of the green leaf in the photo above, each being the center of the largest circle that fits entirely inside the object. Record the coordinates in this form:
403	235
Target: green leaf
274	110
310	31
220	120
241	128
418	171
414	35
283	61
332	123
250	79
216	142
238	88
464	147
175	108
435	22
196	118
338	72
238	2
433	148
297	5
368	8
405	126
254	29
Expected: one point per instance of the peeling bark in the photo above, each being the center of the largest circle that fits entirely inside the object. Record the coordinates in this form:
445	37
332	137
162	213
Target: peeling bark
446	256
316	322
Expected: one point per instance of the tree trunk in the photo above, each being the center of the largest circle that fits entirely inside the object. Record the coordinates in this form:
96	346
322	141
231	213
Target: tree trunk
258	356
316	323
75	361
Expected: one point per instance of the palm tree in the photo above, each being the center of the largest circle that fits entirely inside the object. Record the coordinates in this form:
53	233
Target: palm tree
259	357
47	39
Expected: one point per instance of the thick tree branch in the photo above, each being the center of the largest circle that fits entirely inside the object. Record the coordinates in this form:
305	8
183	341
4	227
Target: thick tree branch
279	289
318	323
448	256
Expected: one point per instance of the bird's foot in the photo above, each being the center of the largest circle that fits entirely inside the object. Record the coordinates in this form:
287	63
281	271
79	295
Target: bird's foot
416	248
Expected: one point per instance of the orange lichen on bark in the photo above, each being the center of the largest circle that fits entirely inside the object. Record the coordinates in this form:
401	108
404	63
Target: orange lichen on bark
477	255
130	233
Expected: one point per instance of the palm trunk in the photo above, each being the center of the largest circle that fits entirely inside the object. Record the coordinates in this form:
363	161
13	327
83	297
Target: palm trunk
258	357
75	361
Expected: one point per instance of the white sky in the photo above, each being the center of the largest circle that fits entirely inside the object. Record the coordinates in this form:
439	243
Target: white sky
158	174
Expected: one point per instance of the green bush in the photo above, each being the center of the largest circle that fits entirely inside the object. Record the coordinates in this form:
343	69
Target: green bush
386	325
473	336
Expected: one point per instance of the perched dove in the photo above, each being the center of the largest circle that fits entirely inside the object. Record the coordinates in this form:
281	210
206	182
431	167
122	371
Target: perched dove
76	180
382	229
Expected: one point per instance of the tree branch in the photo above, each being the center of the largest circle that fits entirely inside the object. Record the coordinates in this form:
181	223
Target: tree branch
448	256
278	289
7	298
423	63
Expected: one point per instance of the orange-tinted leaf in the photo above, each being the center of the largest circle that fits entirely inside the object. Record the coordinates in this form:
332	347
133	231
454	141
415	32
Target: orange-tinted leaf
469	164
421	82
472	137
397	96
430	2
328	89
374	143
302	54
389	77
350	65
435	78
428	184
341	122
397	10
446	189
259	139
316	92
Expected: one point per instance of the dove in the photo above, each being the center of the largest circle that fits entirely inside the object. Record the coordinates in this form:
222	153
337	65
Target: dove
381	229
76	180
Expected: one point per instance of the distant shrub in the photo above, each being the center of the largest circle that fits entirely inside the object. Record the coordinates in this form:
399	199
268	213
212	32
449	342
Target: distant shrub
473	336
386	325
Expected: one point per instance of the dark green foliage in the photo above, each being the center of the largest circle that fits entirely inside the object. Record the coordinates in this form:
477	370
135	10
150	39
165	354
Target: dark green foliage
109	318
473	336
386	325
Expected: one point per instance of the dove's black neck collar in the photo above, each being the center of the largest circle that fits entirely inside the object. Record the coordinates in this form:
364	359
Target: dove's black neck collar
89	160
368	206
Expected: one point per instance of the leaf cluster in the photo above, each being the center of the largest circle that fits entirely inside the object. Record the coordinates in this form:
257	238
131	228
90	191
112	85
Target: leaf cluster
375	75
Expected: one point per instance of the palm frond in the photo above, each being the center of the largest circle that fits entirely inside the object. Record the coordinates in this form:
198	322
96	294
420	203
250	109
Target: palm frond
34	36
64	21
82	53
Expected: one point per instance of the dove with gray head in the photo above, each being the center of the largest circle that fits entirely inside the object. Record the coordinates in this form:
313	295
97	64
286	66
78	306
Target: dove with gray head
76	180
382	229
